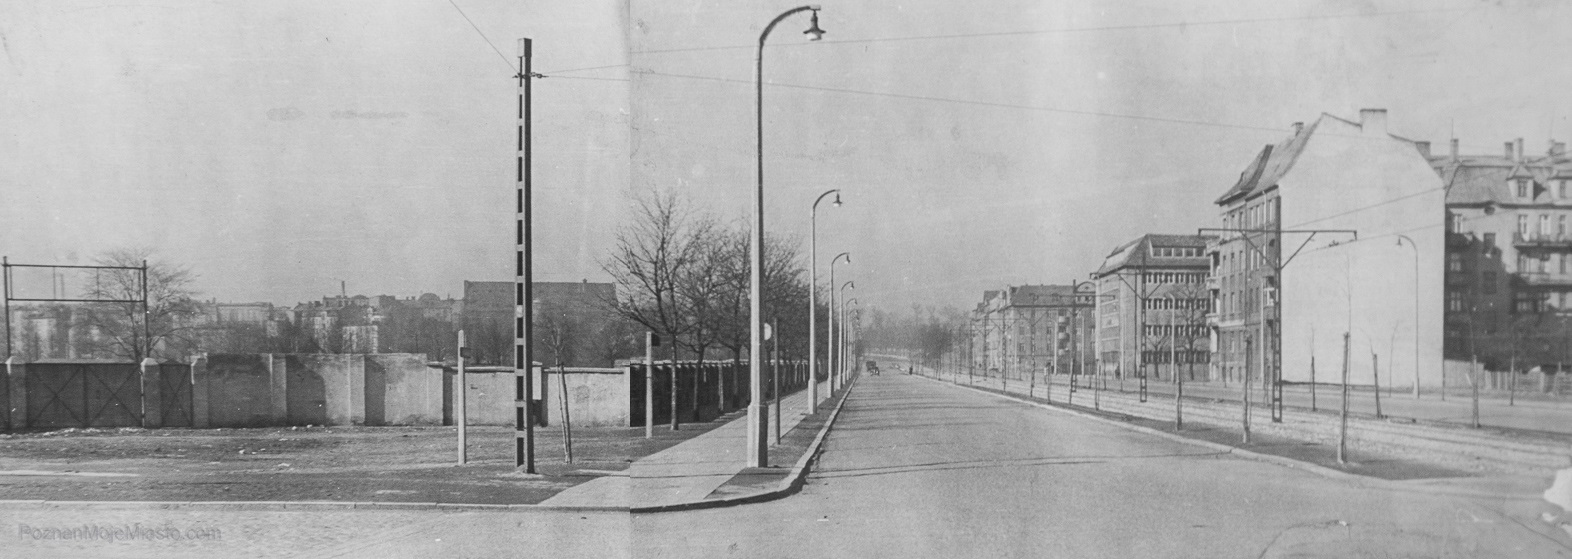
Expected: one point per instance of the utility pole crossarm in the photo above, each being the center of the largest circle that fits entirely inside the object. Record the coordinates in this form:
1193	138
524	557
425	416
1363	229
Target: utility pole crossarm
1276	263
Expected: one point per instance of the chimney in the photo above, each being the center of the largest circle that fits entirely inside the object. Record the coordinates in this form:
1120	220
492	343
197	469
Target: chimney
1424	149
1454	149
1298	126
1508	152
1557	149
1517	150
1372	122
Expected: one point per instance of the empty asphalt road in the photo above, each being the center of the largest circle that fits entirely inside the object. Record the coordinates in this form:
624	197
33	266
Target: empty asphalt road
916	468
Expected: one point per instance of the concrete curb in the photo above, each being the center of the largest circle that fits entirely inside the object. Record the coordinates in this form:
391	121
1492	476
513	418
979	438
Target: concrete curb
1330	473
291	506
1314	468
793	483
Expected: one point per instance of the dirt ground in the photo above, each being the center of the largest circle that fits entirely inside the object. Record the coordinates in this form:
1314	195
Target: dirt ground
388	464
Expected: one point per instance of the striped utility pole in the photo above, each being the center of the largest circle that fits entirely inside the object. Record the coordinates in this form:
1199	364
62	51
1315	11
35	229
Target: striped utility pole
524	302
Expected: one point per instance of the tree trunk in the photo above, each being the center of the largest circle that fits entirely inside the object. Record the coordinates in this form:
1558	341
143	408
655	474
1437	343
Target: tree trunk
698	374
567	424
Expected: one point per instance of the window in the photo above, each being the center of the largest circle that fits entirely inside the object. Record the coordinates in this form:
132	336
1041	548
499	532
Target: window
1522	225
1525	302
1544	225
1522	262
1561	225
1454	262
1522	188
1490	241
1454	301
1561	189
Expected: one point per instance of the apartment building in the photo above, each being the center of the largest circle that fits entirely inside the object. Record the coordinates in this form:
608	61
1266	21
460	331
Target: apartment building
1152	303
1509	255
1333	234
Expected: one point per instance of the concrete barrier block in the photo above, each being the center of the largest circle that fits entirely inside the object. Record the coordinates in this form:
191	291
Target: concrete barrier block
201	416
278	381
16	375
152	394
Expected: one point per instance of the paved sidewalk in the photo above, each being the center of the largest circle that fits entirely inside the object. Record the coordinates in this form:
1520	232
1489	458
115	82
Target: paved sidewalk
689	471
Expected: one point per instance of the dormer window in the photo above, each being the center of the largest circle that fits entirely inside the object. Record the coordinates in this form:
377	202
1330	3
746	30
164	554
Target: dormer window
1522	188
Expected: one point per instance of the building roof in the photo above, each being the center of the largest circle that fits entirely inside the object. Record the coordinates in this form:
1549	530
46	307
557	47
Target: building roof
1138	253
1483	179
1038	295
1270	164
1275	160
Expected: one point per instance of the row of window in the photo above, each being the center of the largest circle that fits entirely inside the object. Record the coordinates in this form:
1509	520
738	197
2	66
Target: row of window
1184	357
1545	229
1244	259
1522	301
1234	303
1176	252
1175	277
1254	216
1163	304
1525	188
1165	330
1558	263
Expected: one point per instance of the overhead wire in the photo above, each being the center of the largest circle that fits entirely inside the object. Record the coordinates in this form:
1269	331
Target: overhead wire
505	61
971	102
1169	120
1133	27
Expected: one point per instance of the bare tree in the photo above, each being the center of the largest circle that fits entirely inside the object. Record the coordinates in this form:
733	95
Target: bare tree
785	294
651	252
702	293
170	306
1194	301
560	327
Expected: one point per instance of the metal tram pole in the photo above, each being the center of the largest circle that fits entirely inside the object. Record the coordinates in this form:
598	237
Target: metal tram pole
1342	430
524	303
650	341
461	386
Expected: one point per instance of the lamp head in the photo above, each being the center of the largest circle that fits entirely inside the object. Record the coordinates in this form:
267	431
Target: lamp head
837	199
813	32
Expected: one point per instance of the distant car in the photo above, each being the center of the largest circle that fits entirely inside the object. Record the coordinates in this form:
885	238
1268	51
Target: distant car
872	367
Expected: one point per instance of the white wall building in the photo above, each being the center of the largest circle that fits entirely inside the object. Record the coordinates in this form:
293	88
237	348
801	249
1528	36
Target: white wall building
1382	284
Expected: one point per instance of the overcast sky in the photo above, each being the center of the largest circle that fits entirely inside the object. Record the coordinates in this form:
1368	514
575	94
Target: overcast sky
278	148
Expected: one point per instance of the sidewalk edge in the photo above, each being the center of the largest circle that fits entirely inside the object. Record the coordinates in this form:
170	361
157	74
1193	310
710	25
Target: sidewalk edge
793	483
1330	473
17	504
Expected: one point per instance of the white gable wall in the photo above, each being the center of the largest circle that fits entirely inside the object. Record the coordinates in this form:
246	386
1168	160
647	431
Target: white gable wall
1378	186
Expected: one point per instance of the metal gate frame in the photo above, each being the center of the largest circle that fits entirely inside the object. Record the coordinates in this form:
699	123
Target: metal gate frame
174	390
56	387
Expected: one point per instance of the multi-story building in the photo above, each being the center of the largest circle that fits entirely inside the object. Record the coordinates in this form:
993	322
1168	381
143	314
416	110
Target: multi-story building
1021	329
1509	255
1327	236
1152	303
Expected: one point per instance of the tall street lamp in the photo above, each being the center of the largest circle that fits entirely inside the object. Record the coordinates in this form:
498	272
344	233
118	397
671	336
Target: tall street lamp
844	342
1173	359
1415	246
831	345
813	299
758	453
840	343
